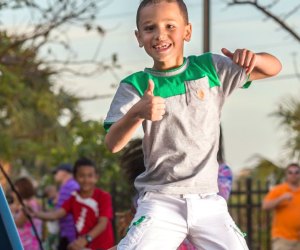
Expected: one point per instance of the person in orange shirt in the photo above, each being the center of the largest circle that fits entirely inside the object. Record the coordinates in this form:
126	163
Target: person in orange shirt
284	200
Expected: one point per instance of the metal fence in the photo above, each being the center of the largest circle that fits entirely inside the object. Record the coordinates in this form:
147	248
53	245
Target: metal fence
245	208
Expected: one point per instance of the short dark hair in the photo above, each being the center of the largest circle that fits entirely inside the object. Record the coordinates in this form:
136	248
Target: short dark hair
293	164
180	3
83	162
25	187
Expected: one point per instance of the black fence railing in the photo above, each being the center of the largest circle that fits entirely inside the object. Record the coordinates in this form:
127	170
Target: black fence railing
245	208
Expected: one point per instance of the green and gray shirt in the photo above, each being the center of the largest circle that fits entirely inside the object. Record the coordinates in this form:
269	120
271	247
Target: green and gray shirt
180	150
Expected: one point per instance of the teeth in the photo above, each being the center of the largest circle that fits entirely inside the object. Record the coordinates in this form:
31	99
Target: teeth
163	46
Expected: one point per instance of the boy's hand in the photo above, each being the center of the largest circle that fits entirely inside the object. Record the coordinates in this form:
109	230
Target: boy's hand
243	57
287	196
77	244
151	107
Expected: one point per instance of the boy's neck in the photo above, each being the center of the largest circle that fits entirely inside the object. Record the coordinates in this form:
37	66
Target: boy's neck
86	194
170	64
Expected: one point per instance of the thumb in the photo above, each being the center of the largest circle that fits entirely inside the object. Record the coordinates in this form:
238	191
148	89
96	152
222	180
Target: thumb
227	53
150	89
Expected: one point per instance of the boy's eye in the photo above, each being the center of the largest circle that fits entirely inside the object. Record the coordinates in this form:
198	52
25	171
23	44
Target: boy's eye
170	26
149	28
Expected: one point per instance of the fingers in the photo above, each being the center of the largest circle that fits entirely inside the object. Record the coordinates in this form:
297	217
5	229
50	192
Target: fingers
245	58
152	107
157	109
150	89
251	64
227	53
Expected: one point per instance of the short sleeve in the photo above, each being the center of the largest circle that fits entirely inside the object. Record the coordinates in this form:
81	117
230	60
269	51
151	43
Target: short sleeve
67	205
273	194
105	204
125	97
231	75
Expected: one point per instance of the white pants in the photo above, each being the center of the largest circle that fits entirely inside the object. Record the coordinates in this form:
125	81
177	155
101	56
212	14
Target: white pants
163	221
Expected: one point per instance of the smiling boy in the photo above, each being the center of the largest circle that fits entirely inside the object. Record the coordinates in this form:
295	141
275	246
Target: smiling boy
178	102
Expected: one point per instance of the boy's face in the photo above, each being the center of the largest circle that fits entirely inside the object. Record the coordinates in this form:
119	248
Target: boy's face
293	175
87	178
162	31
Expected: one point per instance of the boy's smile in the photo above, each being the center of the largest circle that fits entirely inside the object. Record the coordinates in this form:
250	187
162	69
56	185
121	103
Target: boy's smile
162	31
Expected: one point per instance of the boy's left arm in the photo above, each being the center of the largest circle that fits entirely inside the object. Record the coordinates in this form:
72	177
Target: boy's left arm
258	65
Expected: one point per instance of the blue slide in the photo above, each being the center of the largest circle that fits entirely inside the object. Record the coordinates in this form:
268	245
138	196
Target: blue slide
9	237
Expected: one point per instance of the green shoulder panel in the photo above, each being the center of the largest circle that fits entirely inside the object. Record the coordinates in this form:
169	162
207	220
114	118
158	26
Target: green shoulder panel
171	82
205	64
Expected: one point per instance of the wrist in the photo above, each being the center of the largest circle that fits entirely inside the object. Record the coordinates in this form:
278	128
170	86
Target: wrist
135	115
88	238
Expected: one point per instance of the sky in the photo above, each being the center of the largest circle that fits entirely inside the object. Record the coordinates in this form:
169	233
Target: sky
248	126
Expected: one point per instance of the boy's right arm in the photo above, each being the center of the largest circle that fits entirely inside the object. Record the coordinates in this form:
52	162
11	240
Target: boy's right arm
150	107
271	204
51	215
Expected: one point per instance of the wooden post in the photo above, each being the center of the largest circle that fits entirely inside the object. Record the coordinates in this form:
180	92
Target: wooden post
206	26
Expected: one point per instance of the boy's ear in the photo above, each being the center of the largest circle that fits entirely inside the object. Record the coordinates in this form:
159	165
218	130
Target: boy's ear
188	32
137	35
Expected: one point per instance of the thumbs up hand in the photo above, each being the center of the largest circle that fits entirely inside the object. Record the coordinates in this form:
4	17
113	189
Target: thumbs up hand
151	107
243	57
150	90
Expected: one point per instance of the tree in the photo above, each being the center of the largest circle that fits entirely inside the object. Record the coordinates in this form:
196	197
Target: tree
46	25
30	112
36	120
266	9
288	113
267	170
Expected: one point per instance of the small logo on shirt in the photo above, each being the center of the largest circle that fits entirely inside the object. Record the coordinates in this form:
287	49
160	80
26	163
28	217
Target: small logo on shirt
201	94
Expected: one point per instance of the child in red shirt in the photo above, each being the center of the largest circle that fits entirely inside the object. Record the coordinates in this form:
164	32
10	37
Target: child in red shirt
91	208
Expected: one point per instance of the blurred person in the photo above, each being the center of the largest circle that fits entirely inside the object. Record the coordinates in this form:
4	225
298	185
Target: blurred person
27	192
63	175
284	201
91	208
224	174
51	195
52	240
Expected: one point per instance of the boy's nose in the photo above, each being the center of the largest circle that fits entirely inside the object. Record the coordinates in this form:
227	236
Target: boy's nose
160	34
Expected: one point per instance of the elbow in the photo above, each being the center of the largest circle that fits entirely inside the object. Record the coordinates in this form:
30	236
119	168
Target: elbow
278	67
110	146
113	149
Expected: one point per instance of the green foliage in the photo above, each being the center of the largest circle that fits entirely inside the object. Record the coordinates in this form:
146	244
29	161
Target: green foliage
29	110
289	115
266	170
40	128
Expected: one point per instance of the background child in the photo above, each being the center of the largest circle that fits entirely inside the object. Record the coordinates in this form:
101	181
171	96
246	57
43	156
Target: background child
91	208
27	192
178	101
225	176
51	241
63	176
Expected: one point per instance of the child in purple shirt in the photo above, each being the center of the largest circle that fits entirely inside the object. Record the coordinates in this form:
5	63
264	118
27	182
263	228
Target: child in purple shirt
63	175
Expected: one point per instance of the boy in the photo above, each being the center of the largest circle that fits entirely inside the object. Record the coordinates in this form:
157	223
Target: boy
178	101
91	208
